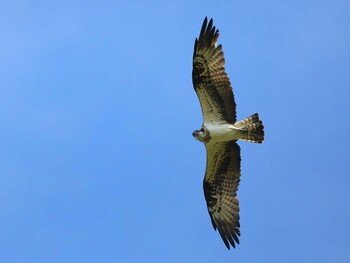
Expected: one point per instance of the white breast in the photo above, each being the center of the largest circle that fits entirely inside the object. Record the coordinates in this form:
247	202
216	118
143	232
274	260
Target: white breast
222	132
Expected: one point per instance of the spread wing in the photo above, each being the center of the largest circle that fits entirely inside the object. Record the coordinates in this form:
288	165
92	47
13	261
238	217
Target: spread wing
209	78
220	184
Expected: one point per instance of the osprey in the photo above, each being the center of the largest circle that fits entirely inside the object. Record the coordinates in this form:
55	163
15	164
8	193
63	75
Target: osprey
220	133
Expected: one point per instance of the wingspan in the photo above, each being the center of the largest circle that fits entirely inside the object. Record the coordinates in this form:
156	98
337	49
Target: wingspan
209	78
220	185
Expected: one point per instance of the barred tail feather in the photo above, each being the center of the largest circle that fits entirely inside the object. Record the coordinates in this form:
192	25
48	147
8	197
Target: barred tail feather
252	129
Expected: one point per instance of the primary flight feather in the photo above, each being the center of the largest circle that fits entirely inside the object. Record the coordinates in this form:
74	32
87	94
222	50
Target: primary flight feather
219	133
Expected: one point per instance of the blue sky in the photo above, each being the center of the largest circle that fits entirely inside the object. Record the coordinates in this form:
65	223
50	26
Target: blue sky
97	109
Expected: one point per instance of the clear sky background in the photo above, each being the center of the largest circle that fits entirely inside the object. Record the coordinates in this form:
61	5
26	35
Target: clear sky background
97	109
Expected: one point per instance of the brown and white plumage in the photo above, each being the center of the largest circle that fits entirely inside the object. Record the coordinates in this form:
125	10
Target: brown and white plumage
219	133
220	185
210	80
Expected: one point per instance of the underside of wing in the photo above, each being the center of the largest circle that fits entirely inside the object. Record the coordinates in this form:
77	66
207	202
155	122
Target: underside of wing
210	80
220	185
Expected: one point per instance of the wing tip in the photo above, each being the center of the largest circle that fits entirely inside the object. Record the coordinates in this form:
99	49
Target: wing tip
229	235
208	35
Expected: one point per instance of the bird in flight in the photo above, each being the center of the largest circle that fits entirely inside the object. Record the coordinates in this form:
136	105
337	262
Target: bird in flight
220	133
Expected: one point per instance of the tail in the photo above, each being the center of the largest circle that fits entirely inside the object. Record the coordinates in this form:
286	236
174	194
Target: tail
252	129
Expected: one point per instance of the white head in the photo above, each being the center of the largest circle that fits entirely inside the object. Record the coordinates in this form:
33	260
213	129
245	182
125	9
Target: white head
202	135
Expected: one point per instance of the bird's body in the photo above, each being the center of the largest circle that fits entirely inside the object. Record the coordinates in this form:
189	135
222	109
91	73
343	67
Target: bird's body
219	133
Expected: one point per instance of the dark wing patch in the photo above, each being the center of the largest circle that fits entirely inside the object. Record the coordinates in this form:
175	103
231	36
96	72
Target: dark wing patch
220	185
209	78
